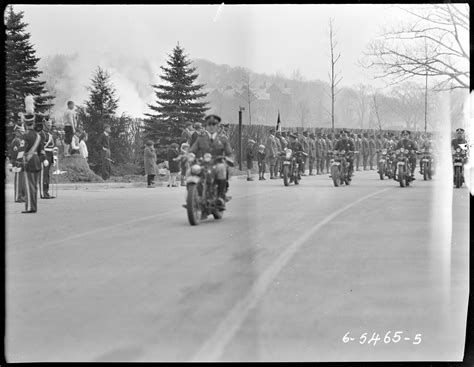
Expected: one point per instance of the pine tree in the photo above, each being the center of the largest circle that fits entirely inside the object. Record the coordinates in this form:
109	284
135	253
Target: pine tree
100	109
21	71
178	101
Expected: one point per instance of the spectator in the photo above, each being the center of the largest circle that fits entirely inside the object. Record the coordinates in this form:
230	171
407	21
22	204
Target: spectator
183	159
75	142
150	163
250	146
173	164
104	144
70	124
261	162
83	146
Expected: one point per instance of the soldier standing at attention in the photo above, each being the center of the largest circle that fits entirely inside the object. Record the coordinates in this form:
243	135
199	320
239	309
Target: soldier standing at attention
312	153
278	161
372	149
104	143
365	150
70	125
30	158
48	143
16	145
272	151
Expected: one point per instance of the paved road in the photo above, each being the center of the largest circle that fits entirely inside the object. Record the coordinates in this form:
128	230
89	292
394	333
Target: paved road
119	275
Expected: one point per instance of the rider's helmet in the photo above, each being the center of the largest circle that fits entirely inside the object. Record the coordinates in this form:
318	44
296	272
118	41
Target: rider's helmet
405	134
460	132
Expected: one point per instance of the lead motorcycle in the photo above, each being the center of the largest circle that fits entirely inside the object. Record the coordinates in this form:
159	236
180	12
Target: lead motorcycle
459	158
339	163
202	197
403	174
291	166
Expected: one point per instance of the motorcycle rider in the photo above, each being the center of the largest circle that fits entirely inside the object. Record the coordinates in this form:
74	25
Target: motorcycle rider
217	145
296	146
409	144
426	144
346	144
459	139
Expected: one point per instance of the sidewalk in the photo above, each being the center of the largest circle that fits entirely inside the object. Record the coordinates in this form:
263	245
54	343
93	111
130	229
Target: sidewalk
110	185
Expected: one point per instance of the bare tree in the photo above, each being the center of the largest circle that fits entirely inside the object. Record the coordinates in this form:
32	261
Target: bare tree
334	77
248	93
435	44
376	109
362	103
408	103
303	112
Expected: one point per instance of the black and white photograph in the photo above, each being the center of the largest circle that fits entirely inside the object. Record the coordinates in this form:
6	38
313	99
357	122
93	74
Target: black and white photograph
237	182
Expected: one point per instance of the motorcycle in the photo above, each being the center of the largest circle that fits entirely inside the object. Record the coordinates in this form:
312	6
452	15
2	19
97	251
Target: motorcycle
427	164
202	197
339	164
291	166
459	157
383	164
403	175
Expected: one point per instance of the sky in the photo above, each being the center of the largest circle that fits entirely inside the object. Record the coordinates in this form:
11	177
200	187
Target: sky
132	41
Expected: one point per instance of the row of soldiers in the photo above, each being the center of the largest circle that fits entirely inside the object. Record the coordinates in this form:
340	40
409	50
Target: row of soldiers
31	158
318	147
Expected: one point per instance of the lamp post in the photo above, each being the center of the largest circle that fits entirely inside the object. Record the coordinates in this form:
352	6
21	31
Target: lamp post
240	136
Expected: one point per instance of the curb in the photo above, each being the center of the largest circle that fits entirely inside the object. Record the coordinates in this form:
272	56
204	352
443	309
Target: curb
111	185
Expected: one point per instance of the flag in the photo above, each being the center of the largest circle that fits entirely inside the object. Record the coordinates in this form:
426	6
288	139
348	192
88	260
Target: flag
278	128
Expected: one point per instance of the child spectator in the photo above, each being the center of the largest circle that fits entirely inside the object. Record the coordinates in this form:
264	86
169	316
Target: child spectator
261	162
150	163
173	164
83	146
250	146
75	142
183	158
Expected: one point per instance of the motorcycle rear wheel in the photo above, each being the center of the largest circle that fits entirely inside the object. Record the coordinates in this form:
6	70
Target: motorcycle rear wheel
335	175
381	171
285	176
192	205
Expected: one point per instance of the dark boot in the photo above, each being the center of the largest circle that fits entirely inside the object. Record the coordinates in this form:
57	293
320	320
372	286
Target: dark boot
221	189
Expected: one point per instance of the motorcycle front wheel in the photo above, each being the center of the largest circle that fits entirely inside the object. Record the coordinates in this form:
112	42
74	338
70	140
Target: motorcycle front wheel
285	176
401	176
425	171
382	171
192	205
457	177
296	178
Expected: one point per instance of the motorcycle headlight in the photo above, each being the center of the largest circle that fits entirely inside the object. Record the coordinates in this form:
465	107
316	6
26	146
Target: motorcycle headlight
196	169
343	152
288	153
207	157
397	151
402	150
458	150
191	157
384	151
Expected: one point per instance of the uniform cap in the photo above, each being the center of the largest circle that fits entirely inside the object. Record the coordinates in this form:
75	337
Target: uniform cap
460	130
197	125
293	135
212	118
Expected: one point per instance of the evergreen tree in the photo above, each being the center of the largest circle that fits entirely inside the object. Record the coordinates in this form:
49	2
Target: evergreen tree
100	109
21	70
178	101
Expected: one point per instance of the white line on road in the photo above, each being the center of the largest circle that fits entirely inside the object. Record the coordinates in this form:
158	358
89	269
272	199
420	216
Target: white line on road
212	349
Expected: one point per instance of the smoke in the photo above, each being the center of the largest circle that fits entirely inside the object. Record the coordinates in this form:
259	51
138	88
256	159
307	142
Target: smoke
68	76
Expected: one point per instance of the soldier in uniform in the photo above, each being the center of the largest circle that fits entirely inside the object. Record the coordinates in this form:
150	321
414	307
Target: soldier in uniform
48	143
459	139
312	153
358	148
30	157
272	150
365	150
372	150
278	161
187	133
318	153
198	130
218	145
305	143
324	152
19	181
329	148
